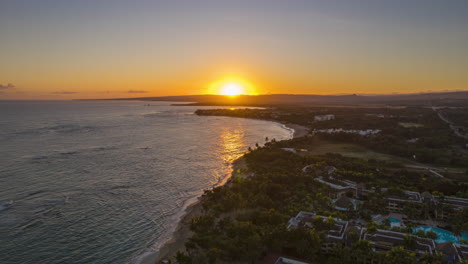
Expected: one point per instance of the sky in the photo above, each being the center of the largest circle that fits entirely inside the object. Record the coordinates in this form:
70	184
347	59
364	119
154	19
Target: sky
66	49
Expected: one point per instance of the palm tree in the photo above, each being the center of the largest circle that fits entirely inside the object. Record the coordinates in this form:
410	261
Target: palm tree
425	208
387	222
410	242
371	227
436	258
400	256
362	251
330	222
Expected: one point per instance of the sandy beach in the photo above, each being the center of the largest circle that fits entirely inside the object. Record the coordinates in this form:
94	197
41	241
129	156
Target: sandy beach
180	236
182	232
299	131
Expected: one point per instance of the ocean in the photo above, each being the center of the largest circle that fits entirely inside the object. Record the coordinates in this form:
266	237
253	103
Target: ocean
107	181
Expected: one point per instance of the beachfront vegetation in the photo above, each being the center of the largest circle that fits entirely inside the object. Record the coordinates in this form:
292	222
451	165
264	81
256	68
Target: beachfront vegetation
415	133
248	217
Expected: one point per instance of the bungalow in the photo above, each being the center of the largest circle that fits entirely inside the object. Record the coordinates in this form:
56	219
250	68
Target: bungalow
279	259
324	117
427	197
344	203
382	240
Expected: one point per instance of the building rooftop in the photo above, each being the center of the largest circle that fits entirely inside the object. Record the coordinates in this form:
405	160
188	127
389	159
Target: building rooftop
385	240
274	258
344	203
447	248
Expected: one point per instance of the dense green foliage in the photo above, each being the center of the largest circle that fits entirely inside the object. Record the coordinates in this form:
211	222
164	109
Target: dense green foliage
248	217
433	140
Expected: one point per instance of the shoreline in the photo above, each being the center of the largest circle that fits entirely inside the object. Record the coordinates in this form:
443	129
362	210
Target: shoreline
182	232
299	131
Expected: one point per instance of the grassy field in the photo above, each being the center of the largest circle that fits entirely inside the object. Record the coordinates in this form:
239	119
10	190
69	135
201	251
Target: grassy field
320	147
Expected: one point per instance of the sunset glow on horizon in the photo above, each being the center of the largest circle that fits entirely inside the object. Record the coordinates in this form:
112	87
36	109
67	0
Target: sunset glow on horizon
232	89
232	85
115	49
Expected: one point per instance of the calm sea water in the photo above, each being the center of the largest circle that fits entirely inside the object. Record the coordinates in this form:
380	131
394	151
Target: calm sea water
105	182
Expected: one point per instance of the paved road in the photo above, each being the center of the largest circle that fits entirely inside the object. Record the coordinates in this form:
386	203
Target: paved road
451	125
431	170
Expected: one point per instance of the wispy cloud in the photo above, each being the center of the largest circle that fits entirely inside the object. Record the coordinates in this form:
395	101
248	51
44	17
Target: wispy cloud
64	92
137	91
8	86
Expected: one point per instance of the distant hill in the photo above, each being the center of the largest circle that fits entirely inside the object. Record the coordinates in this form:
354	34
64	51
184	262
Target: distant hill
452	98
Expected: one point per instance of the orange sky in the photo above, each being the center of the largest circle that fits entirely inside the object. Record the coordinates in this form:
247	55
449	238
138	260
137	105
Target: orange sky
63	50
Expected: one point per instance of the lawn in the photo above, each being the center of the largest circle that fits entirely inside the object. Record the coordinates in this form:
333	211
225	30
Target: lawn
320	147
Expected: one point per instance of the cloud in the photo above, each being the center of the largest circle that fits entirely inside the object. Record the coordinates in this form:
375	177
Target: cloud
137	91
8	86
64	92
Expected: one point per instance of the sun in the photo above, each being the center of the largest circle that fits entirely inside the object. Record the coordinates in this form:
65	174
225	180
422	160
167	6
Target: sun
232	89
232	86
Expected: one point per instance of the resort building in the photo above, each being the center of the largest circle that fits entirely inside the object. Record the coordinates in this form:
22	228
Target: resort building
283	260
366	132
344	203
293	150
427	197
324	117
336	228
383	240
345	233
462	251
280	259
450	252
395	202
327	170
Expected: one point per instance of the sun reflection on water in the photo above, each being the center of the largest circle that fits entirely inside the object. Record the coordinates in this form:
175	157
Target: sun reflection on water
232	144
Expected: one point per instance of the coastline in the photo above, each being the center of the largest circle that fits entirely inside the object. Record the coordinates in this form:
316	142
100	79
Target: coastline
182	232
299	131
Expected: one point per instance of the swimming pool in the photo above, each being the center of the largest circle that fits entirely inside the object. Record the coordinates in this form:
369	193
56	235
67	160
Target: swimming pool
464	236
442	235
393	222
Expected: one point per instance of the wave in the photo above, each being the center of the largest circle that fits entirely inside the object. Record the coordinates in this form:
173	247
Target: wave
5	205
97	149
150	254
153	114
291	130
70	128
58	155
37	192
69	153
57	129
39	157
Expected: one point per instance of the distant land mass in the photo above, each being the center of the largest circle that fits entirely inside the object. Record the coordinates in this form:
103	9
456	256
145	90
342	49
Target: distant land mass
459	98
